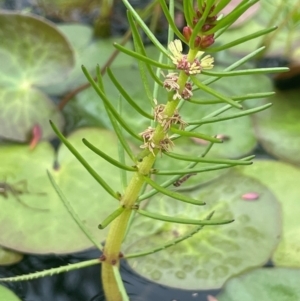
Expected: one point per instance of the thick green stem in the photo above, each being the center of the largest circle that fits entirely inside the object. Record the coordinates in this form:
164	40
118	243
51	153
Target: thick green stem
118	226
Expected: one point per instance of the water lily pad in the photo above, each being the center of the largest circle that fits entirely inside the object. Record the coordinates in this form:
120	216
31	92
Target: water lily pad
7	295
283	180
276	41
39	52
276	284
33	54
8	257
22	109
278	127
209	258
32	217
88	52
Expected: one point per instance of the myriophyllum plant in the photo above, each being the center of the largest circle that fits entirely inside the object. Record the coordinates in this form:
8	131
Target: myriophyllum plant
179	72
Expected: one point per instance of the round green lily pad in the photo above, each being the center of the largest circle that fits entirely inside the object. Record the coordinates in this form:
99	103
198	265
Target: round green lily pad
88	52
7	295
33	54
278	13
8	257
276	284
32	217
278	128
283	180
22	109
39	52
216	253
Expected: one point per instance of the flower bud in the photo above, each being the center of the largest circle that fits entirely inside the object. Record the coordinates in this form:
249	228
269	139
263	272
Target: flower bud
207	41
187	32
197	42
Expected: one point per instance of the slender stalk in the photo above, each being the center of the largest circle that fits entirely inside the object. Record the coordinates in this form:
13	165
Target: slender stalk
118	226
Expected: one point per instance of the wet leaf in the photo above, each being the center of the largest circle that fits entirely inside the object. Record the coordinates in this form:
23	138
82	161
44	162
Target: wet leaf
21	110
7	295
33	54
216	253
37	51
276	284
8	257
283	180
32	217
278	128
88	52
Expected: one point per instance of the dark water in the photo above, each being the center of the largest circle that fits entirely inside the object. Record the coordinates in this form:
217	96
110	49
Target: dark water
84	284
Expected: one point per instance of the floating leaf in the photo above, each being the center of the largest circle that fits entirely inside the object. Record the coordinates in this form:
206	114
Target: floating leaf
21	110
7	295
8	257
276	284
283	180
210	257
32	217
278	128
33	54
88	52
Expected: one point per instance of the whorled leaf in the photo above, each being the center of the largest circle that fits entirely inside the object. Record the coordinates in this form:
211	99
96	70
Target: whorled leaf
276	284
216	253
283	180
32	217
238	133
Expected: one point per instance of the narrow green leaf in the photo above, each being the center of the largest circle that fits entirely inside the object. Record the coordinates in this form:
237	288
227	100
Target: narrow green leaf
99	78
242	40
120	283
109	105
171	243
236	115
142	57
174	178
172	14
235	65
185	171
121	154
198	28
126	95
188	221
121	137
145	28
235	97
215	93
188	12
210	160
197	135
84	163
233	16
140	47
106	157
51	272
111	217
171	22
220	6
246	72
73	214
172	194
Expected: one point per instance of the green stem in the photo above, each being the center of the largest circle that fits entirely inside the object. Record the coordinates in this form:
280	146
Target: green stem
118	226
